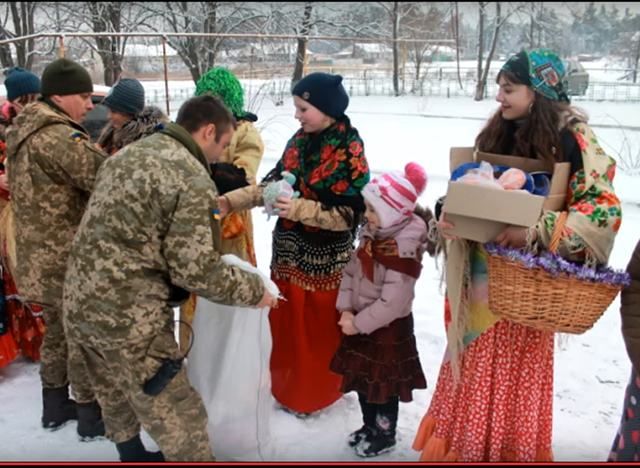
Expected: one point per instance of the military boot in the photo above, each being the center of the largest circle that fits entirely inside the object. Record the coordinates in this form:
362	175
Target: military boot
90	422
57	408
133	451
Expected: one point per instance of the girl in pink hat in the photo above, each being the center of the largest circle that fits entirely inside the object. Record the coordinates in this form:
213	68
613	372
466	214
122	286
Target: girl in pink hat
377	356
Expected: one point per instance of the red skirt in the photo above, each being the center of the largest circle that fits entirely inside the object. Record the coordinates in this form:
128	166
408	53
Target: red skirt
8	349
27	327
25	324
501	409
306	335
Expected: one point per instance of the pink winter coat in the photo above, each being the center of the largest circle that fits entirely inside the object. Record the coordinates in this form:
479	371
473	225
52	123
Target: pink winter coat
390	296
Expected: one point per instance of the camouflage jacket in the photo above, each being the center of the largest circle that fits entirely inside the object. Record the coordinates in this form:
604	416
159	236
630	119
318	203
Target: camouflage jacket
52	169
151	223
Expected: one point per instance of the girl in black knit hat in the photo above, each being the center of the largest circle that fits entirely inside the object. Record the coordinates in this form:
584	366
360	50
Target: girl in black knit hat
312	241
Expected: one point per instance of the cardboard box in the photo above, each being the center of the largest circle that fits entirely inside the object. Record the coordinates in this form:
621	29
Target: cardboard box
481	213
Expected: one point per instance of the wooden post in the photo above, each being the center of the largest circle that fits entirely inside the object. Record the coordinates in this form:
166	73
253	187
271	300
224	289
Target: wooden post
61	46
305	62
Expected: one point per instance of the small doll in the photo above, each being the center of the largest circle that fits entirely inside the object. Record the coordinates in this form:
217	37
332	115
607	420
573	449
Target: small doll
278	188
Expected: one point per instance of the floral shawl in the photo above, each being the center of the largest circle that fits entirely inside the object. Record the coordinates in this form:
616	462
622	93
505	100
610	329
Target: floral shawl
329	167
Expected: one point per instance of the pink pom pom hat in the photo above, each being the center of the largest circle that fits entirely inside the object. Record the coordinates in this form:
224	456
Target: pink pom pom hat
394	195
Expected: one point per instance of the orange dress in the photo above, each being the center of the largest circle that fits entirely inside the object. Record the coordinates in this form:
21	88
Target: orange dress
479	421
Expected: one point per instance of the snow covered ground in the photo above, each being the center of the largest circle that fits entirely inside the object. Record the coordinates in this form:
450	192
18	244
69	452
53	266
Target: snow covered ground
591	370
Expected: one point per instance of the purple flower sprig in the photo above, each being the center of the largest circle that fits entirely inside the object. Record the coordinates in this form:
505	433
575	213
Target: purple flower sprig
555	265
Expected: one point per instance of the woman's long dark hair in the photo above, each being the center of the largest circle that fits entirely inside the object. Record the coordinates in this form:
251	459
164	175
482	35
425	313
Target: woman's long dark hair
537	137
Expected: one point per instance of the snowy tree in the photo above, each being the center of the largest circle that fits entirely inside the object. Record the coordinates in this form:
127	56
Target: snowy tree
498	21
425	21
103	17
397	16
320	19
627	43
107	17
587	26
18	19
200	53
303	35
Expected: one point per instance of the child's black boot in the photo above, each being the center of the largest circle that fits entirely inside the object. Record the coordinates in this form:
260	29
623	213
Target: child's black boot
377	443
368	418
361	434
383	434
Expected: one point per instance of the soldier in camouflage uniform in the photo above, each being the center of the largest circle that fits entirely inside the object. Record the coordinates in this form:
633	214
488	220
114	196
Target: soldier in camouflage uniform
52	169
151	229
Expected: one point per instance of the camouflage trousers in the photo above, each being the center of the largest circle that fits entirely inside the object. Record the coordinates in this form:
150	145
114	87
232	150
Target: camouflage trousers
175	418
61	362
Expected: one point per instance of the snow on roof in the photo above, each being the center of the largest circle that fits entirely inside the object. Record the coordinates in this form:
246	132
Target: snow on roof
147	50
373	48
443	49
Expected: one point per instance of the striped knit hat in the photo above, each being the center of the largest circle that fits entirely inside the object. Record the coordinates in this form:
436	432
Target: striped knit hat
393	195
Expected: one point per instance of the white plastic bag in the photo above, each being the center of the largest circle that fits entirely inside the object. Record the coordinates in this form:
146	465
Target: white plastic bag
229	366
483	175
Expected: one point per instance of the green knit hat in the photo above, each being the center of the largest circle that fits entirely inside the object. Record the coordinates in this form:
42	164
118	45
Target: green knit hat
222	83
63	77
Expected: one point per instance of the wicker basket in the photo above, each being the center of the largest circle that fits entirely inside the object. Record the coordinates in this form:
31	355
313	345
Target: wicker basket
533	297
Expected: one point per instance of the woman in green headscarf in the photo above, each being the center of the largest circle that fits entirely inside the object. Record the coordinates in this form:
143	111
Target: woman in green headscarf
229	361
493	401
237	167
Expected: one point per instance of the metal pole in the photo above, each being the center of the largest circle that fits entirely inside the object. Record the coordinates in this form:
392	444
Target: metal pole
230	36
61	47
166	73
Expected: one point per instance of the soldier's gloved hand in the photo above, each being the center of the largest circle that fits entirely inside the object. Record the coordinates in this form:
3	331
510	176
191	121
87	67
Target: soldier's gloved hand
228	177
177	296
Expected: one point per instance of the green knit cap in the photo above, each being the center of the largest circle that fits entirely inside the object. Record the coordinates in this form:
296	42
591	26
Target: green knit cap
63	77
222	83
